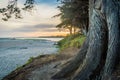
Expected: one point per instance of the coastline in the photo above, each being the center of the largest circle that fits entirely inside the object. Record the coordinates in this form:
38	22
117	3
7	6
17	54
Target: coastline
43	67
24	72
16	52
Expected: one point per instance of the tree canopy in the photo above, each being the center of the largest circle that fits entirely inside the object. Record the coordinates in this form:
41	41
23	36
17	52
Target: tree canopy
13	9
74	13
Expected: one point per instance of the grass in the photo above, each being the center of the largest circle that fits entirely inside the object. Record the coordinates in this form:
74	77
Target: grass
31	59
28	62
71	41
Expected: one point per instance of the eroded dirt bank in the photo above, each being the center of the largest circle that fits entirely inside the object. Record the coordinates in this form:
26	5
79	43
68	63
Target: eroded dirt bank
42	67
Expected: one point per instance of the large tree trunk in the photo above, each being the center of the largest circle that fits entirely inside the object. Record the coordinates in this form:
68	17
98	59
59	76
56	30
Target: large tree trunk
74	64
96	47
102	46
112	18
70	30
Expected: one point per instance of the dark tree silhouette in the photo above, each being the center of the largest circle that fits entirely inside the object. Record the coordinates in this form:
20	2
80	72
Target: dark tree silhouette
13	9
73	14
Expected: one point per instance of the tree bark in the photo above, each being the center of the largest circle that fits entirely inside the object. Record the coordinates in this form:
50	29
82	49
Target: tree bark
96	47
74	64
70	30
102	46
112	18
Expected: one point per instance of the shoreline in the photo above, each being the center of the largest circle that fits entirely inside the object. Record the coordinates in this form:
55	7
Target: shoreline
22	72
14	53
45	66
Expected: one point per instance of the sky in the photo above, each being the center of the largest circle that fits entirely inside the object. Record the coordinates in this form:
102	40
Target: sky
39	22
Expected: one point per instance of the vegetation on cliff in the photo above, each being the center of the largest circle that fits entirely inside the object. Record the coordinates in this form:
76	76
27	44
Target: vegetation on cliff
75	40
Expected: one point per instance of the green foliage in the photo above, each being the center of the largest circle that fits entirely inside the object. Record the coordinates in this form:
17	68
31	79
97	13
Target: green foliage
13	9
73	13
71	41
29	5
30	60
10	9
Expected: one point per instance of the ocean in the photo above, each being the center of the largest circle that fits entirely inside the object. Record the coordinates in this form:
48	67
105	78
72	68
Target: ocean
15	52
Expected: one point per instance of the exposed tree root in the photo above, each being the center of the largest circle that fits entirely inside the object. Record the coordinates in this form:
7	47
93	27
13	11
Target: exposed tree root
97	54
74	64
95	50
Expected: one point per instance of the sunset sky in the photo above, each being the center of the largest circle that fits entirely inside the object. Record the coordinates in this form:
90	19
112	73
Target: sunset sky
37	23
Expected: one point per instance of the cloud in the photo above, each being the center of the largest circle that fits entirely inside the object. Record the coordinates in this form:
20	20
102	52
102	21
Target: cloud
40	20
39	27
44	26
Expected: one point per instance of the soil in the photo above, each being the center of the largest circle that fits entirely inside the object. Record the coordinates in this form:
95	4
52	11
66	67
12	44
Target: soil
43	66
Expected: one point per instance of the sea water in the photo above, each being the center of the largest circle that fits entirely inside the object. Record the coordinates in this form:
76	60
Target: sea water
15	52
